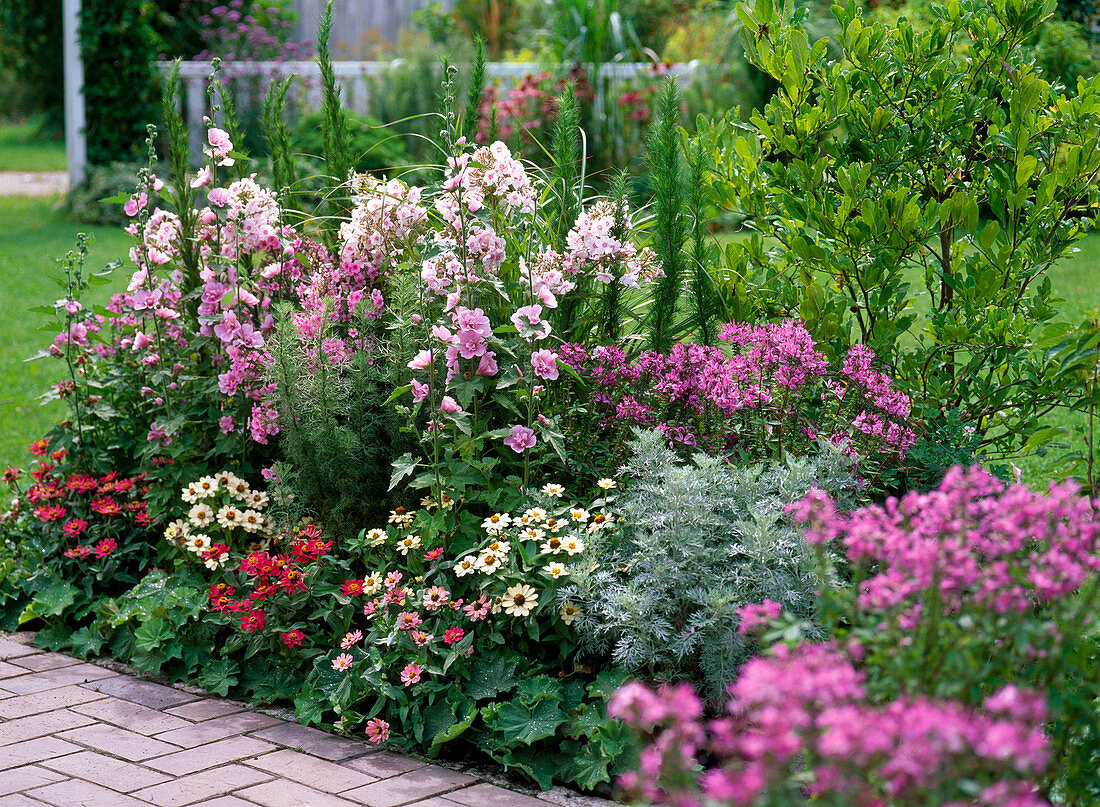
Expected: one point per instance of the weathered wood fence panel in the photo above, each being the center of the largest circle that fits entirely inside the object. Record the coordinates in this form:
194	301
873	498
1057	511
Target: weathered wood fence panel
356	24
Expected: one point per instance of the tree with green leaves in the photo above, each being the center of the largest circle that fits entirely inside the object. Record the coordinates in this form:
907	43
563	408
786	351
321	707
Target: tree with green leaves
912	195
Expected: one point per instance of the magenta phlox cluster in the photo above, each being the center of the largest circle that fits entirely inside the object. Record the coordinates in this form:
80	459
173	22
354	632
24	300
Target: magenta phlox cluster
801	718
973	540
730	397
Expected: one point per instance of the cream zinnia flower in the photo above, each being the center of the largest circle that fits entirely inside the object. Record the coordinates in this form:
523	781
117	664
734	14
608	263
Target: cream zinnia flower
498	547
190	493
531	534
400	516
239	489
578	514
257	500
555	570
552	489
372	583
198	543
519	600
488	562
496	523
177	529
376	537
207	486
224	478
230	517
405	544
573	545
251	521
534	514
201	514
605	483
465	566
552	545
569	613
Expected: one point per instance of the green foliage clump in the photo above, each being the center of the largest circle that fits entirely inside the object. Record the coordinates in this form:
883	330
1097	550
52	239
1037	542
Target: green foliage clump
118	47
85	203
911	196
372	146
1063	54
30	60
702	539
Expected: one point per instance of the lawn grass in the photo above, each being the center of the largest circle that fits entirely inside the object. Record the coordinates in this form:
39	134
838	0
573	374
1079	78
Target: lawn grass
32	234
23	149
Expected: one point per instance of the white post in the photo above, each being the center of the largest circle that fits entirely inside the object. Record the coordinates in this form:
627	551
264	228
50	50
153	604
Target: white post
76	150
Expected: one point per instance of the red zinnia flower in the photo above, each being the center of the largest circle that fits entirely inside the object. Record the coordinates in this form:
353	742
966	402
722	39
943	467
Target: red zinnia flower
81	483
293	638
453	635
434	554
352	588
78	552
293	581
106	506
105	547
74	527
51	512
59	455
253	621
40	447
10	475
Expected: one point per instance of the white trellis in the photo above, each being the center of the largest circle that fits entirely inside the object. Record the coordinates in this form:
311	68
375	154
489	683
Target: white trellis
76	150
355	81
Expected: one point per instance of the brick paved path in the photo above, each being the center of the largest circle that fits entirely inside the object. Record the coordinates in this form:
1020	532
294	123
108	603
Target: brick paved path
74	734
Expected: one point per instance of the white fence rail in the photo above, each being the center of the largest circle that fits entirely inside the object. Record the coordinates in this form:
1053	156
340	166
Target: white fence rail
355	79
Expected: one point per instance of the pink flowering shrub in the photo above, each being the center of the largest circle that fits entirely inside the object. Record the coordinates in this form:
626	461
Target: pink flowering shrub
801	722
767	391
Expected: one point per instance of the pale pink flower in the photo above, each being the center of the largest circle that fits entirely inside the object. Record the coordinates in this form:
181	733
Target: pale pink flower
520	439
342	662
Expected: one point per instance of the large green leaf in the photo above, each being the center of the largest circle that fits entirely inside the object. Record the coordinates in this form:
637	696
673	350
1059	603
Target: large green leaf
524	725
51	601
489	679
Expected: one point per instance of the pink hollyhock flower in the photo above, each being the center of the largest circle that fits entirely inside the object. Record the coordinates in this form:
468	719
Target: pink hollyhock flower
755	616
226	424
411	674
419	391
488	365
135	204
449	405
342	662
218	197
202	178
219	141
545	363
520	439
377	730
73	307
421	360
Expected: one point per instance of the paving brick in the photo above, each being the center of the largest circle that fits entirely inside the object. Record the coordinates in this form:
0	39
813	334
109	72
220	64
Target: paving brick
25	778
27	728
226	801
146	693
384	764
233	749
19	800
205	709
312	741
45	661
327	776
202	785
25	705
85	794
487	795
52	679
25	753
10	649
292	794
408	787
105	770
10	670
131	716
210	730
119	742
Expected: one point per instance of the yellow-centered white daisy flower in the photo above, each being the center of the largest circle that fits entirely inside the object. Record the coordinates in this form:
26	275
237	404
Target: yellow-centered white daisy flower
207	486
407	543
177	529
488	562
401	517
465	566
251	520
190	493
601	521
572	545
555	570
553	545
225	478
535	514
555	524
498	547
553	489
531	534
578	514
605	483
496	523
569	613
239	489
257	500
230	516
519	600
376	537
198	543
201	514
372	583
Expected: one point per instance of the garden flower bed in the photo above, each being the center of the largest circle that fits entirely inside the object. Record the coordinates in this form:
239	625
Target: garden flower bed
445	458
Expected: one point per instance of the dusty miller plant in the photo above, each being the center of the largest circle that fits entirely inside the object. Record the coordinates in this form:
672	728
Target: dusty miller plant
701	539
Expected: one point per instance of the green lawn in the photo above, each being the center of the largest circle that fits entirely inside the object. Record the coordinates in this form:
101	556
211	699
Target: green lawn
32	235
23	149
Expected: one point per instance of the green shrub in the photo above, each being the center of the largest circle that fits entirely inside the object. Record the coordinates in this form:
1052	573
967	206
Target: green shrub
85	203
373	146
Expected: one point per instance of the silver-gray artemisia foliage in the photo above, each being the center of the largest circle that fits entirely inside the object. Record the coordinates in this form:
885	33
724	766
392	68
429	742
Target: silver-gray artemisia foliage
700	539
